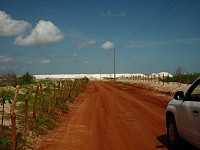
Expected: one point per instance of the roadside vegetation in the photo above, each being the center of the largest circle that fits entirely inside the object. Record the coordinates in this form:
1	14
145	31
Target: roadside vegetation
39	105
183	78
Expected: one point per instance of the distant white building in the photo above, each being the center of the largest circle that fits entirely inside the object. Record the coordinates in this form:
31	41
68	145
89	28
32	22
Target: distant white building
98	76
161	74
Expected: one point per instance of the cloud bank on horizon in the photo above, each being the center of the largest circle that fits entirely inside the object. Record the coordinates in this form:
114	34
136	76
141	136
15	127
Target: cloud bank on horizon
45	32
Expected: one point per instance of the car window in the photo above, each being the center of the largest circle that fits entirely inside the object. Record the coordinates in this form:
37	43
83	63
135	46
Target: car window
196	90
195	95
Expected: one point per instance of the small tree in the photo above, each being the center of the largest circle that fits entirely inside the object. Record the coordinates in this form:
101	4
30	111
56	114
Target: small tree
27	78
4	96
179	72
11	79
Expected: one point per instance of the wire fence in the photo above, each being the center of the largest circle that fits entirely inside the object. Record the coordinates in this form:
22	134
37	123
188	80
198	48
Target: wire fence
163	79
40	101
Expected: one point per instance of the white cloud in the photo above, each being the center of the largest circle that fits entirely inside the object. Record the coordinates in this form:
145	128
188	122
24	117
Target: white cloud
108	45
46	61
11	27
45	33
107	14
86	44
120	14
111	14
5	59
74	54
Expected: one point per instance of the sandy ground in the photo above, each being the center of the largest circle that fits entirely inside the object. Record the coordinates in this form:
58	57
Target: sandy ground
110	116
166	88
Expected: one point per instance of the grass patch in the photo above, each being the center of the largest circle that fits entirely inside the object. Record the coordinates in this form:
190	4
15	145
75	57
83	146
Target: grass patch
63	107
20	108
7	116
21	97
5	143
71	99
47	122
124	83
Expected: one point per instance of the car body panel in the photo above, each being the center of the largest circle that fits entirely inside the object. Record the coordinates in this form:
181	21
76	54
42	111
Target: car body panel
186	112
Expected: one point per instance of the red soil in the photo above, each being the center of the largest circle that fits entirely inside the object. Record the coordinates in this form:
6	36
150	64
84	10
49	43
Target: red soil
110	116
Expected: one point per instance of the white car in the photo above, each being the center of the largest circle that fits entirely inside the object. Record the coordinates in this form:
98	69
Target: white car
183	116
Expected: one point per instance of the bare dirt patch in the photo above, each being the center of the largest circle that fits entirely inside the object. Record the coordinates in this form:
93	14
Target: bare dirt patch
112	116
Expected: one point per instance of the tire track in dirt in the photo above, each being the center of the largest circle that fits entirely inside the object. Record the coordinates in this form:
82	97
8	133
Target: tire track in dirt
114	117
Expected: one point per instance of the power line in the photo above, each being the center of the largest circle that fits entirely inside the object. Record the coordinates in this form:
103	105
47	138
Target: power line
163	14
151	21
142	28
170	18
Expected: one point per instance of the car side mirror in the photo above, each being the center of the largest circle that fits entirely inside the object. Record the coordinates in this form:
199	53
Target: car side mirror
179	95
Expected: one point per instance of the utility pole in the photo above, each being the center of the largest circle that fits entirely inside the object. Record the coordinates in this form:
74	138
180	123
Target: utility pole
114	66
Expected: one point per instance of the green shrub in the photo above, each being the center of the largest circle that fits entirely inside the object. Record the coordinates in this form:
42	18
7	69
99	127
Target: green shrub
182	78
26	79
48	122
5	143
63	107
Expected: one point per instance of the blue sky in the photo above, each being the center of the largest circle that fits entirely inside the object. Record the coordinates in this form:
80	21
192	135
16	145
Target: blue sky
78	36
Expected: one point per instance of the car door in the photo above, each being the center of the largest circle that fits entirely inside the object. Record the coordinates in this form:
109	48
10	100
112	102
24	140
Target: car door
189	114
188	119
195	97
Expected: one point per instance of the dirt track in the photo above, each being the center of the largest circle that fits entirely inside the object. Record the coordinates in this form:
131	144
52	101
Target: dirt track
110	116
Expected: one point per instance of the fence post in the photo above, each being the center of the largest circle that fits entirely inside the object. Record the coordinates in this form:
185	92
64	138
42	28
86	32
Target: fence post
13	120
34	106
42	101
54	96
2	118
70	89
163	80
50	98
65	93
61	93
58	93
26	111
168	78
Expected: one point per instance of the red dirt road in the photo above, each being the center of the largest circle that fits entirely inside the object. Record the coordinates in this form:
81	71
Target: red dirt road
109	116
